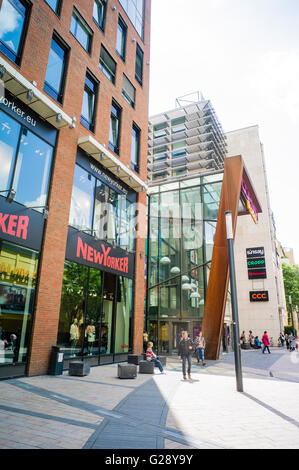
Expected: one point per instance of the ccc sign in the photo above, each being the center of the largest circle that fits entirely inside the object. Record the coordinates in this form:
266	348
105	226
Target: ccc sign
259	296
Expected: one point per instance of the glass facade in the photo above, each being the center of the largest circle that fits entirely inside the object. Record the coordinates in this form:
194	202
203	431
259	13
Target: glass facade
18	271
96	312
135	11
24	158
102	210
182	226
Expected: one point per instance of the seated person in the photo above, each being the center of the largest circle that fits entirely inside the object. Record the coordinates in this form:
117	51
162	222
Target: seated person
150	356
257	343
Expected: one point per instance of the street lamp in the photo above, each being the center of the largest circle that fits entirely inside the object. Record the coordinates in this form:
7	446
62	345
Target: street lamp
291	309
232	275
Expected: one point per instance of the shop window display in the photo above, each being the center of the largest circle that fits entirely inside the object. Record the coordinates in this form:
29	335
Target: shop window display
18	268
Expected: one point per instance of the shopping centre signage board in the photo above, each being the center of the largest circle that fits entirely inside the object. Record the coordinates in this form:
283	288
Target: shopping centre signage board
259	296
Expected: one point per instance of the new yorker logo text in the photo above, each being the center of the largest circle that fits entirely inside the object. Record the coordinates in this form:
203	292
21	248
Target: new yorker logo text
14	225
103	257
17	110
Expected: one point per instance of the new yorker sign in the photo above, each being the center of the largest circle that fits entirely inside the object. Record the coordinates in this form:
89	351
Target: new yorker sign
85	249
20	225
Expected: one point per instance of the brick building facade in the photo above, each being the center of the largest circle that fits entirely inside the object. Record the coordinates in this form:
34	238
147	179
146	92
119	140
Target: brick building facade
74	38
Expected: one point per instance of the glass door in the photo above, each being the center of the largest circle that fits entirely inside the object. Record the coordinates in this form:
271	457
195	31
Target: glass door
106	323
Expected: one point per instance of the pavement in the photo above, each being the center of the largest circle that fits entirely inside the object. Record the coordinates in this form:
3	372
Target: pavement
101	411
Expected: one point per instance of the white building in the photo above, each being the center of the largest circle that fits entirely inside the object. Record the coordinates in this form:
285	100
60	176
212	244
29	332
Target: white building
256	313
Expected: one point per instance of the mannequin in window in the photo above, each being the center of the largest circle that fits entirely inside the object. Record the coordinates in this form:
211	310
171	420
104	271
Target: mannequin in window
74	335
90	334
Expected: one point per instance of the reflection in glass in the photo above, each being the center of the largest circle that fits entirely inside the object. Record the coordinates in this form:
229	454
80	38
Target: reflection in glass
34	165
55	71
124	314
93	312
82	199
99	12
18	268
12	20
9	136
107	314
71	331
211	199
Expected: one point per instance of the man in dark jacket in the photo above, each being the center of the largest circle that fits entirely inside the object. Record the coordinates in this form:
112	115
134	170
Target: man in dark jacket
185	352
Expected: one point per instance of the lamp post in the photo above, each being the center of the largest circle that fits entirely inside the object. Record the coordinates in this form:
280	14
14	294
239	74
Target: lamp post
291	309
233	287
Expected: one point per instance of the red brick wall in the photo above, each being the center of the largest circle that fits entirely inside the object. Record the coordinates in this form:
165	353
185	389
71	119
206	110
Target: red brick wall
43	22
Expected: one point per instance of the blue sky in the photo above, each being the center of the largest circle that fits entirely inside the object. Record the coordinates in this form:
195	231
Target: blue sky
243	55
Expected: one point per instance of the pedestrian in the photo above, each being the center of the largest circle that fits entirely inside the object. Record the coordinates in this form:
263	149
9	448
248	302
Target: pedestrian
145	340
251	339
266	342
282	339
180	335
150	356
287	340
243	337
292	342
200	345
186	348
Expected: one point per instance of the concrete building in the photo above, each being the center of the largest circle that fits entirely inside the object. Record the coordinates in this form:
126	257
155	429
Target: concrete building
74	83
289	255
261	299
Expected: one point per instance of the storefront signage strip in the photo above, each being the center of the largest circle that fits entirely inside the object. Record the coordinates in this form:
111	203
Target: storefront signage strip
249	201
85	249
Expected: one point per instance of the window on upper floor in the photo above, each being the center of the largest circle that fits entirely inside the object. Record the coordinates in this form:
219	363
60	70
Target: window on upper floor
55	5
99	12
135	148
14	16
128	91
56	69
114	133
89	102
107	65
81	31
135	11
139	65
121	38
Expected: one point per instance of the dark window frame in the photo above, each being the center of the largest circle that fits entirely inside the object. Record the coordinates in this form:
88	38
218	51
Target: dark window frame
110	56
80	19
139	50
58	8
127	98
11	55
125	29
90	77
102	28
47	87
118	115
136	166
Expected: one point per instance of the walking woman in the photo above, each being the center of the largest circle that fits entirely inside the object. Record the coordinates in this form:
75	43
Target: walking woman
185	353
266	342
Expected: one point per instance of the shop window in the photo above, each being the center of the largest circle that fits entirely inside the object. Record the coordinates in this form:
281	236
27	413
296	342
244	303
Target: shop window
139	65
107	65
55	74
33	165
24	158
124	315
55	5
18	270
99	12
81	31
81	213
9	138
14	16
89	102
121	38
135	11
128	91
114	134
135	148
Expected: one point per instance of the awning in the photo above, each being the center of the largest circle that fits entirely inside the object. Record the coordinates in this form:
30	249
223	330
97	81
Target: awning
25	91
112	163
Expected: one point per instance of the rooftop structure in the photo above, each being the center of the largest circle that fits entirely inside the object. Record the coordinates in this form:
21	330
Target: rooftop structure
187	140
